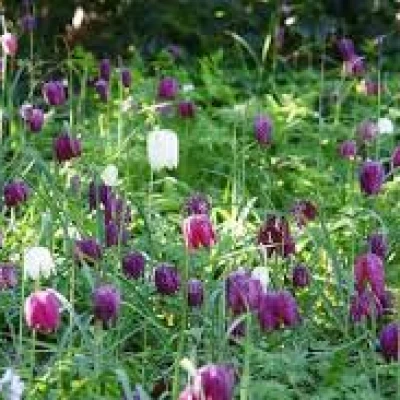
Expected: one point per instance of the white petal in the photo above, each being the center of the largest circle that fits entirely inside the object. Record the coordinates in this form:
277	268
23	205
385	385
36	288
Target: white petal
385	126
110	175
262	274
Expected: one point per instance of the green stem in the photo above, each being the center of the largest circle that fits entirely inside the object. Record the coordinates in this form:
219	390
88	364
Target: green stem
181	343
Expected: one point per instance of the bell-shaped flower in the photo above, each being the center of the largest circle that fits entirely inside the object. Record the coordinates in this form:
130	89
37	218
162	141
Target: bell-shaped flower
38	262
162	149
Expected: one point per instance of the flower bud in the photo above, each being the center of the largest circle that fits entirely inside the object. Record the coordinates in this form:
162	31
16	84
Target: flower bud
195	293
126	77
301	276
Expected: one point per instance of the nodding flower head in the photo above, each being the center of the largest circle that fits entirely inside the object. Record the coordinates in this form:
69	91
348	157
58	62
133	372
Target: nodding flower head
301	276
186	109
365	305
243	291
103	89
195	292
38	262
28	23
304	211
370	88
211	382
346	49
42	311
54	93
354	66
117	210
198	231
389	340
99	194
105	69
8	276
88	250
378	244
348	149
167	279
275	236
126	77
9	43
106	304
367	131
67	147
133	265
278	309
263	129
168	88
115	234
15	193
371	176
162	149
369	271
197	203
33	117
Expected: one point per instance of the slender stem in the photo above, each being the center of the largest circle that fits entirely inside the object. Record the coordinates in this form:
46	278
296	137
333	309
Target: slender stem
245	381
3	80
181	343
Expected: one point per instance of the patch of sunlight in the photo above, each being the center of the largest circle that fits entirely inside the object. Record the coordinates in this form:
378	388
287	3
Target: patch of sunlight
293	107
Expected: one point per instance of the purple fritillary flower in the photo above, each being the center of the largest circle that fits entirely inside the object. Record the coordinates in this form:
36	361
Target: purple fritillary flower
369	271
263	129
365	305
367	131
105	69
54	93
168	88
243	292
186	109
371	176
348	149
167	279
301	276
195	292
8	276
389	340
275	235
126	77
88	249
378	244
67	147
106	304
346	49
15	193
133	265
197	203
